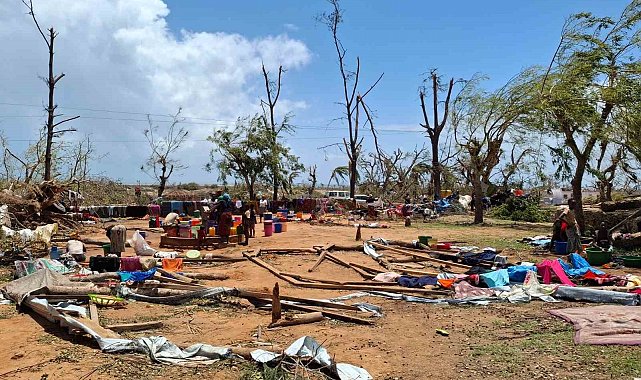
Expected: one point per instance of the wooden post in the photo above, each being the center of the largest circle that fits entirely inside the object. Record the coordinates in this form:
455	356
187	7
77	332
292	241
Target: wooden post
93	312
276	310
358	233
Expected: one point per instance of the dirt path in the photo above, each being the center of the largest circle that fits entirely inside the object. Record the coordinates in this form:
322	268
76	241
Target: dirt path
500	341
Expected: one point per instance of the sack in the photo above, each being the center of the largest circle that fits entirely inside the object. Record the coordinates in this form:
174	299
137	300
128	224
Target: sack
140	245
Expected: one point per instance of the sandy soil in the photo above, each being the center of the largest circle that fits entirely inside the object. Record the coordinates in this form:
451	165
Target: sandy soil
492	342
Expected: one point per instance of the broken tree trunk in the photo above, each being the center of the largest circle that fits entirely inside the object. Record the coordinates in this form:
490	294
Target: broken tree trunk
300	319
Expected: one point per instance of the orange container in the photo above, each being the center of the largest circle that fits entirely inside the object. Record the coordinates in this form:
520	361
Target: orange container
212	231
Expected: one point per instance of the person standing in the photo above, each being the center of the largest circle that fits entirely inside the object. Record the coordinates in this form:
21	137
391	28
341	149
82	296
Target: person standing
252	220
572	231
246	225
117	235
262	207
225	218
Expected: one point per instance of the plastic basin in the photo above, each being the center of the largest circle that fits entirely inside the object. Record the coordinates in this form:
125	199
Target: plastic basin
598	257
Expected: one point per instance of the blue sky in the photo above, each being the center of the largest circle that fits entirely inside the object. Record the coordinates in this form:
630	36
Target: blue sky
134	56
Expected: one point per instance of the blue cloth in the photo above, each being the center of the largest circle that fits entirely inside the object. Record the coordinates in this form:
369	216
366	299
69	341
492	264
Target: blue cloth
137	276
578	266
497	278
517	273
476	258
416	282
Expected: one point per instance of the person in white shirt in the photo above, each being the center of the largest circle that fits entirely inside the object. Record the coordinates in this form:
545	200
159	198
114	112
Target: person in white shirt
262	207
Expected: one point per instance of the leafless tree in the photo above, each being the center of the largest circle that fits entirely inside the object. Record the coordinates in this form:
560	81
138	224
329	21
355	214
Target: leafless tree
272	89
434	129
351	96
161	162
51	81
312	179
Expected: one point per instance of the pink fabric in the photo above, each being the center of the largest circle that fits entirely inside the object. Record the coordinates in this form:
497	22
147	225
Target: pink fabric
548	267
463	290
130	264
387	277
606	324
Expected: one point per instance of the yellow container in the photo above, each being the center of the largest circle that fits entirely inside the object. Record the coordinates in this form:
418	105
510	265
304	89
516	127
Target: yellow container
212	231
432	243
232	231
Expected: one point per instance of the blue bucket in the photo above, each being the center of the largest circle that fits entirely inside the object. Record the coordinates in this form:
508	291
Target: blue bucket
278	228
54	254
561	247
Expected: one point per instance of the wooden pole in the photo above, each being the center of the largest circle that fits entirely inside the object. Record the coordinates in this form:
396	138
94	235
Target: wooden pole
422	255
135	326
276	310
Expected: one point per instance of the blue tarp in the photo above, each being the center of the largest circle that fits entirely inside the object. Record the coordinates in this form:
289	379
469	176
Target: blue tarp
578	266
497	278
137	276
517	273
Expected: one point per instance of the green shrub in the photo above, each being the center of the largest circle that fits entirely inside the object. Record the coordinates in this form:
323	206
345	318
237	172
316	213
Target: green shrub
521	209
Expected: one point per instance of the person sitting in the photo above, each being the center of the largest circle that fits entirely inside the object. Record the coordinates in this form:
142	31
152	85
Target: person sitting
171	219
603	237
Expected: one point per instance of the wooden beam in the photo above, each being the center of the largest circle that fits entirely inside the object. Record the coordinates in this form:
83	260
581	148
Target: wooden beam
309	301
422	255
135	326
93	312
173	275
321	257
329	314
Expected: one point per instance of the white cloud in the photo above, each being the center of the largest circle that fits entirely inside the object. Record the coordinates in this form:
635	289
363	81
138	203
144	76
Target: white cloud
121	55
291	27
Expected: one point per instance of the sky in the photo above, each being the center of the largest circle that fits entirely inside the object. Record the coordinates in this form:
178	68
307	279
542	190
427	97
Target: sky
126	59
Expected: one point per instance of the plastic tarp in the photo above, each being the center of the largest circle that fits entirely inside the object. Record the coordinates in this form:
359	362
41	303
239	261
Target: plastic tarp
517	273
140	245
18	290
497	278
578	266
596	295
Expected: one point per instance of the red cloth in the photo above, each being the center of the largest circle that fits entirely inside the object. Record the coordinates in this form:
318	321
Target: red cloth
547	268
130	264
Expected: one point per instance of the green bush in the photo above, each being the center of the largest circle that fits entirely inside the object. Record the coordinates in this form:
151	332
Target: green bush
521	209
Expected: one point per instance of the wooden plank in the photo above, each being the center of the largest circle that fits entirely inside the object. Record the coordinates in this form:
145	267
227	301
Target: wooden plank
93	312
348	265
309	301
425	256
312	279
315	316
368	268
135	326
176	276
329	314
321	257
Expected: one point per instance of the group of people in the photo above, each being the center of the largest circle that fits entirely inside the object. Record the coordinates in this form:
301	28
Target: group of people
222	210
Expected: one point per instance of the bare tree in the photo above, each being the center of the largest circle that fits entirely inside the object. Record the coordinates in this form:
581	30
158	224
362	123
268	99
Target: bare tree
435	128
31	163
161	162
51	81
351	96
312	179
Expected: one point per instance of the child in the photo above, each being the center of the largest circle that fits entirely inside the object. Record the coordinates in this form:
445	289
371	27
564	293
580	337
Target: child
246	225
252	220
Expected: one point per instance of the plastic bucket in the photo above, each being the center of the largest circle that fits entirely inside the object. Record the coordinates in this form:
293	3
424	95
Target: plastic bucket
197	214
54	253
424	239
268	228
278	228
299	215
561	247
212	231
598	257
268	216
233	231
106	249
